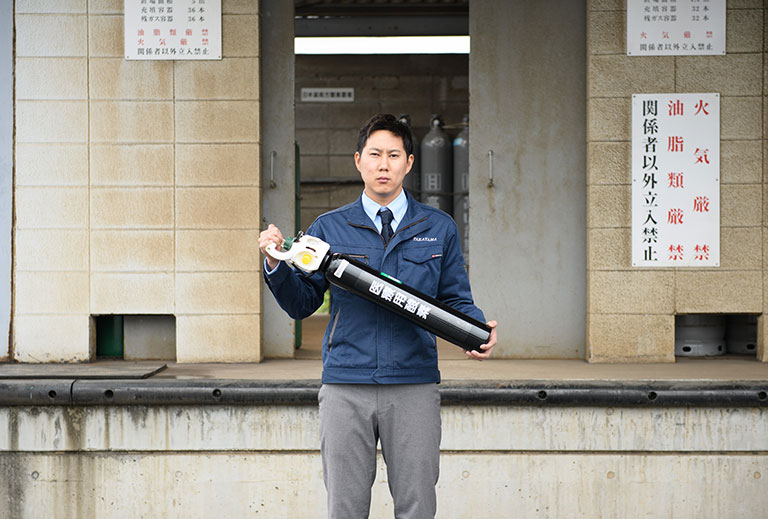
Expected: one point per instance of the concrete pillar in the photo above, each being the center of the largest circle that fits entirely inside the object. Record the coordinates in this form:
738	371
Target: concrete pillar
6	171
278	127
527	232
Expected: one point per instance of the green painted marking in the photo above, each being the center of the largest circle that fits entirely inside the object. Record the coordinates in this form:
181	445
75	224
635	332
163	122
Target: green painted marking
393	279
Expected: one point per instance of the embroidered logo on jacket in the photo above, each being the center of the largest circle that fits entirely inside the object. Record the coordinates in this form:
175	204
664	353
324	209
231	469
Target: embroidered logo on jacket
424	238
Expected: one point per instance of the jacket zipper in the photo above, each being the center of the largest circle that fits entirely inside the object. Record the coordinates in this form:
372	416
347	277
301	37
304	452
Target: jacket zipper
333	330
409	225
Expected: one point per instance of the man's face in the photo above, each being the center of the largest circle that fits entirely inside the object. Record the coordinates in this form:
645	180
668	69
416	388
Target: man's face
383	165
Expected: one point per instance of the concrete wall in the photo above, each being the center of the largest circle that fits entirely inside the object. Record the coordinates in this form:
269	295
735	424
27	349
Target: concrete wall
419	85
631	312
497	462
137	185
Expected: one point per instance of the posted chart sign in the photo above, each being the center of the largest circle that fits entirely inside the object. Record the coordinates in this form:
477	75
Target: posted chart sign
172	29
675	27
676	180
327	95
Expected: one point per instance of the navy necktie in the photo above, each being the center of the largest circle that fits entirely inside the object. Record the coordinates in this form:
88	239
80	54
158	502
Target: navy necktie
386	228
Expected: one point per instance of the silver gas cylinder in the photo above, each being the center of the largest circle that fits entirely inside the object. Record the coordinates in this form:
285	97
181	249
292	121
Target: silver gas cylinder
437	167
412	182
461	185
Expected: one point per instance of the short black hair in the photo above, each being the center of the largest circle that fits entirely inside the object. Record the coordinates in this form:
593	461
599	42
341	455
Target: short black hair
386	122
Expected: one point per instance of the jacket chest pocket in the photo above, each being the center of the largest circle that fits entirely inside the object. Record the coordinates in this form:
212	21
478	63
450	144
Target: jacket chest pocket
421	268
359	253
363	258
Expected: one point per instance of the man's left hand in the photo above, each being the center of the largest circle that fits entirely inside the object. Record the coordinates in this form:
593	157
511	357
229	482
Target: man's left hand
488	347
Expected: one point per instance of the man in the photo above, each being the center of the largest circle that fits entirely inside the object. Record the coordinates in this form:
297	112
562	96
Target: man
380	370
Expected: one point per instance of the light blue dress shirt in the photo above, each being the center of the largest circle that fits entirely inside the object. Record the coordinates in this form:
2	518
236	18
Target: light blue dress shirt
398	206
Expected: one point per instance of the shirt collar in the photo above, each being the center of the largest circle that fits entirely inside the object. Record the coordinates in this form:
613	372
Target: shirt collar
398	206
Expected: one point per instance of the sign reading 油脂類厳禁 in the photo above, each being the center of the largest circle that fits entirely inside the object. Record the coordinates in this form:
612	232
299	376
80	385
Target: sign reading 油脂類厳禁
172	29
676	180
675	27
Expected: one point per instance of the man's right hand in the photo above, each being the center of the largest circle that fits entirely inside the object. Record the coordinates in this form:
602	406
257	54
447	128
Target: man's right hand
271	235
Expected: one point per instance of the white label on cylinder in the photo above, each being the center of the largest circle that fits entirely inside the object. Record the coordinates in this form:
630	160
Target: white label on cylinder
433	181
341	268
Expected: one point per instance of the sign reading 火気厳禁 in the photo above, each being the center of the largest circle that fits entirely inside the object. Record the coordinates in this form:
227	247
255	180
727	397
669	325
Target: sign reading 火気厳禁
675	27
676	180
172	29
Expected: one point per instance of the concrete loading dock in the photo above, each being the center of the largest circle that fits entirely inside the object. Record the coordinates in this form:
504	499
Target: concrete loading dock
543	438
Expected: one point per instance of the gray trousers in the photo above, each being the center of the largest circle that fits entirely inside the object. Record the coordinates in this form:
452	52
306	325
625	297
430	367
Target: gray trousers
406	419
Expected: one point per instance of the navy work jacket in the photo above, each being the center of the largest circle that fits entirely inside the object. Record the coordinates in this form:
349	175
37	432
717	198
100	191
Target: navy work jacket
365	343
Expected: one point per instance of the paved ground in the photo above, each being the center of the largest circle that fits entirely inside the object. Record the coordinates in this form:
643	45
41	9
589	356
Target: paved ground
722	369
730	368
454	366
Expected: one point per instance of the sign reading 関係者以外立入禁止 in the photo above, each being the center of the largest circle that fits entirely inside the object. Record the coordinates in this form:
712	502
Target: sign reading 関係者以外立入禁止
172	29
675	27
676	180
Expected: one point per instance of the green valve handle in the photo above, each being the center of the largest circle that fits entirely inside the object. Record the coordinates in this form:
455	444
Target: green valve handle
288	242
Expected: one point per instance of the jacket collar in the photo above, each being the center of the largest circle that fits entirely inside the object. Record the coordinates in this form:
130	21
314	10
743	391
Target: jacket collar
414	221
